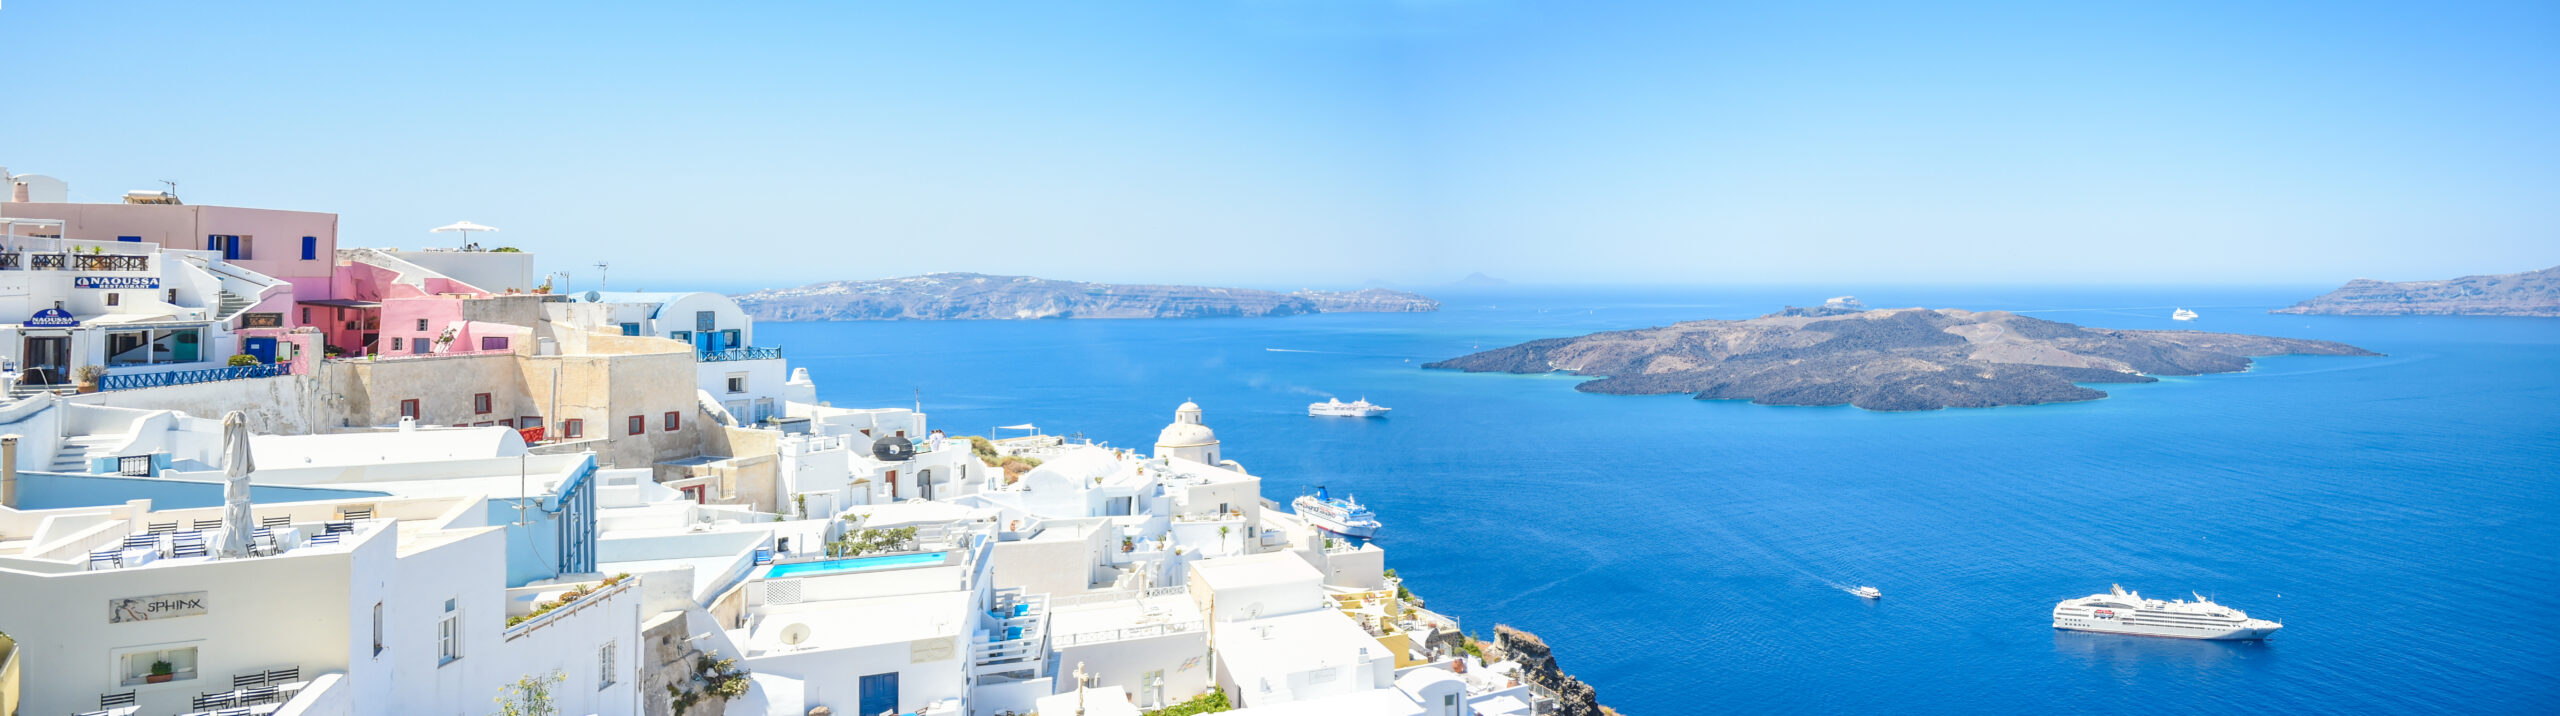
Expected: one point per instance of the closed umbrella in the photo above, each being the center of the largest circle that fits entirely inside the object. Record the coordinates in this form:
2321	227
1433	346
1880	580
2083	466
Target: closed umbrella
236	521
465	227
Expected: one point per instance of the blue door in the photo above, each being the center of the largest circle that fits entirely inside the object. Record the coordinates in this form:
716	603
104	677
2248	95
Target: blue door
263	348
880	694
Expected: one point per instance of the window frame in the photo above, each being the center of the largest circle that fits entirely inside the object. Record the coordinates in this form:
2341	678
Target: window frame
674	420
310	248
377	629
605	665
573	428
409	409
481	404
449	633
639	425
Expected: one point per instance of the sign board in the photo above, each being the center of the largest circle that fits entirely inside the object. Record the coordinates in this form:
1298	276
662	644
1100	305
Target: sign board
157	606
52	318
262	320
115	282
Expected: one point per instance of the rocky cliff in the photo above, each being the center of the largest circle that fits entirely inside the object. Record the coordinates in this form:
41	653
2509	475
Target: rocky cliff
963	296
1538	667
2532	293
1893	359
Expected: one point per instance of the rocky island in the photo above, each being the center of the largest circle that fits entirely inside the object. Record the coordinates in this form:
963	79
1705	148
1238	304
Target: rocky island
967	296
2531	293
1890	359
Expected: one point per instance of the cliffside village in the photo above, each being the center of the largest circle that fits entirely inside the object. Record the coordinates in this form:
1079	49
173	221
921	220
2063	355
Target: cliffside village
245	470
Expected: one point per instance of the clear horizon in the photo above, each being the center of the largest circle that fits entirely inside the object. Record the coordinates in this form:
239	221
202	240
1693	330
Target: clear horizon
1329	144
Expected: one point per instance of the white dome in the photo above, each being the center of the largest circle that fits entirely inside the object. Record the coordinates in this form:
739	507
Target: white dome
1186	435
1187	405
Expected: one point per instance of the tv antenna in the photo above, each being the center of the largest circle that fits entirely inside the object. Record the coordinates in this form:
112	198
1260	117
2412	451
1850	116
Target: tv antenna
173	187
600	266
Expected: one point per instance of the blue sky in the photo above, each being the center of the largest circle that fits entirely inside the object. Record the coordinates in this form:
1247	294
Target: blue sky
1325	143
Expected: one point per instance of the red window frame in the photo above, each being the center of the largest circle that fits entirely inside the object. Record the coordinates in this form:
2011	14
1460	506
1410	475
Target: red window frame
674	420
573	428
480	403
639	424
409	409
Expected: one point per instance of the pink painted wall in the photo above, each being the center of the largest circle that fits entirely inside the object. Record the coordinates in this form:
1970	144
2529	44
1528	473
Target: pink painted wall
274	235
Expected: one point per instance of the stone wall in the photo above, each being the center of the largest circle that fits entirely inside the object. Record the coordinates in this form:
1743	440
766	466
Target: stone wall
1538	667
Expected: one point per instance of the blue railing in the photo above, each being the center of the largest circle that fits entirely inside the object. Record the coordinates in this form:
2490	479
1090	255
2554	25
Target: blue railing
744	353
131	381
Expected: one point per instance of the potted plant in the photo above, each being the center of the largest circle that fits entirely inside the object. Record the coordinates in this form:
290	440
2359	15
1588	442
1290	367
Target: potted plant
87	377
1128	545
161	672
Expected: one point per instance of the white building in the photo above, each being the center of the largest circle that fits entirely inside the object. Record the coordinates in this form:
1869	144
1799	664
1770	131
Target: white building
1188	438
131	308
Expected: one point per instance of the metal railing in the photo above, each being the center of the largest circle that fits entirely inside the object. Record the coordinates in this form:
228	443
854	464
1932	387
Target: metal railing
1124	633
131	381
739	353
110	262
46	262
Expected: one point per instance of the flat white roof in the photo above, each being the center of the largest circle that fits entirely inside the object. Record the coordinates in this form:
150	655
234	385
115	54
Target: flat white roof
1374	702
374	448
1258	570
1098	701
1123	614
846	623
1275	647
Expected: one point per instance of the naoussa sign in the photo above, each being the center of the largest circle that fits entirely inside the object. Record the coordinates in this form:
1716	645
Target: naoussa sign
157	606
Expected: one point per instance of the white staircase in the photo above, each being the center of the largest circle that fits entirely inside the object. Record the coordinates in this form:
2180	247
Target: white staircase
76	452
231	305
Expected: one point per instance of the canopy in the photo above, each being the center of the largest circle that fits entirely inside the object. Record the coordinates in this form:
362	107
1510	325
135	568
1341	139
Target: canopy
236	466
462	226
1024	426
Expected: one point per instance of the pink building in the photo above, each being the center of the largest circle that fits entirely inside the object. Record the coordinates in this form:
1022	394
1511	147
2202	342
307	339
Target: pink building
298	247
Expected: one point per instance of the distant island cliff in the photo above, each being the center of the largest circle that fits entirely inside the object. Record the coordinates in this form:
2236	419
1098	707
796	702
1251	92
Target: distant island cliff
968	296
2532	293
1890	359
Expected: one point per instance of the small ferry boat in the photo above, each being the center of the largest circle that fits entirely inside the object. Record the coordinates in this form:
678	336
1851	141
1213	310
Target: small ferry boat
1334	407
2183	315
1866	592
1343	516
2124	612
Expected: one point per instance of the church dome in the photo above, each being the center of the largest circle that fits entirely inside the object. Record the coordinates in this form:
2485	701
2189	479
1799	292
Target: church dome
1186	435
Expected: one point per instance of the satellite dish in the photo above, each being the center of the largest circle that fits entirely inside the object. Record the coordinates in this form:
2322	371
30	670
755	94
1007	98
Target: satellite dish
795	633
595	297
893	449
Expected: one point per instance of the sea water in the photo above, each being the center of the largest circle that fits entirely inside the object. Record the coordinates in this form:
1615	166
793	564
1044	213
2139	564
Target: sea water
2397	513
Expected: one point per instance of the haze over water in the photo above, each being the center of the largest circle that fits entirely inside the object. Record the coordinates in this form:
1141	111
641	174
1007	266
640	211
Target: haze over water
2397	513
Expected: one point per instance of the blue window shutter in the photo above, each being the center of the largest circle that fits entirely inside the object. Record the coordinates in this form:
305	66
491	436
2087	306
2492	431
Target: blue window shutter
130	239
310	247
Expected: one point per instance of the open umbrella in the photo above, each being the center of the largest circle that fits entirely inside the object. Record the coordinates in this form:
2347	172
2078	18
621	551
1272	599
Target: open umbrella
462	226
236	522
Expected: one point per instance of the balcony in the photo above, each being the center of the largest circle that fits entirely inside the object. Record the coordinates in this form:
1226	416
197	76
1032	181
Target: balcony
739	353
130	381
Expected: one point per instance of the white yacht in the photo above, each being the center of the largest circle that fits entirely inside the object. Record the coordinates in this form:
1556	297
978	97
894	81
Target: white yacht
1866	592
2183	315
2124	612
1334	407
1343	516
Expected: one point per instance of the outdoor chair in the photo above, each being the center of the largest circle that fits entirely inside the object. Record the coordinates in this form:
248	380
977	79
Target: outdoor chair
321	539
248	680
337	527
276	521
163	527
191	549
284	676
142	540
112	558
208	524
109	701
259	695
213	701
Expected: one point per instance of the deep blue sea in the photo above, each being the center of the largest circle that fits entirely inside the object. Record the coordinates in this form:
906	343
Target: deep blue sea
2397	513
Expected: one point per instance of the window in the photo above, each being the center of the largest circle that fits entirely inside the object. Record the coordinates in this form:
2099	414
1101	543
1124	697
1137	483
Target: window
130	239
449	634
639	425
509	422
136	667
705	321
395	343
480	403
529	421
233	248
173	298
115	299
306	310
493	343
604	666
737	382
128	348
422	324
672	421
573	428
681	336
729	338
377	628
630	329
409	409
310	248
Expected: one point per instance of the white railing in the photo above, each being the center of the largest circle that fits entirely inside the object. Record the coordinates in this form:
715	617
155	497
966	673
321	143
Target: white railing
563	611
1125	633
1114	595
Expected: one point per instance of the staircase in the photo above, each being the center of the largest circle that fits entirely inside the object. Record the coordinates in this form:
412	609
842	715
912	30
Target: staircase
21	390
231	306
75	453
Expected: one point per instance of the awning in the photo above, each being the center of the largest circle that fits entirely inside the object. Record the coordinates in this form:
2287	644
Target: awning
340	303
1024	426
120	318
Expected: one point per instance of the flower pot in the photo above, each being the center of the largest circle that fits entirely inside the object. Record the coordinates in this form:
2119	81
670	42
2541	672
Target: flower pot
85	388
159	678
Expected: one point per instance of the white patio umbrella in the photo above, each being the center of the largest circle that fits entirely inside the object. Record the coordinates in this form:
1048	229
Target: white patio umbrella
462	226
236	521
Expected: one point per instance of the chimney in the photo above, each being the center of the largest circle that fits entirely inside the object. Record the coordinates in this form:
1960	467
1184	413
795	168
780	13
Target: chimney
18	192
9	467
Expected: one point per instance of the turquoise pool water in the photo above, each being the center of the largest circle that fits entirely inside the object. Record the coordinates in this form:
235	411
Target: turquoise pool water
857	564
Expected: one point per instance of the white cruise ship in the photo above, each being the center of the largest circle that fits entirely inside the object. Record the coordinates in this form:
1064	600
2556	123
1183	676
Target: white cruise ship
1342	516
1334	407
2123	612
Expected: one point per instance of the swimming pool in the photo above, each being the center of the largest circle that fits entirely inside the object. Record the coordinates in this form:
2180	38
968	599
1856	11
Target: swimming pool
857	564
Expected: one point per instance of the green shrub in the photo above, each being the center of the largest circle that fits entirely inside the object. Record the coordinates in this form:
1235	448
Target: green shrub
244	359
1208	703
